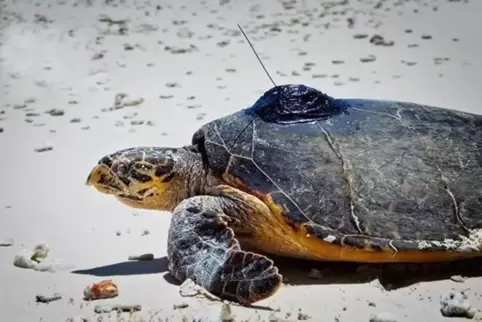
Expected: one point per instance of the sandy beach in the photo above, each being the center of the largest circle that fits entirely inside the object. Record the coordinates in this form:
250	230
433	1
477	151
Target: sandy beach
181	64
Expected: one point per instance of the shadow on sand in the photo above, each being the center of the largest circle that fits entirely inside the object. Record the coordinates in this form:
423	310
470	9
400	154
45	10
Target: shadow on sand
297	272
391	276
156	266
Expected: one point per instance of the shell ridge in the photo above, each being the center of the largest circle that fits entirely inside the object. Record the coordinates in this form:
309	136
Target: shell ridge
344	166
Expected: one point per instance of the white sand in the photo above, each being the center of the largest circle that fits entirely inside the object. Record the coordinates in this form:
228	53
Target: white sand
43	197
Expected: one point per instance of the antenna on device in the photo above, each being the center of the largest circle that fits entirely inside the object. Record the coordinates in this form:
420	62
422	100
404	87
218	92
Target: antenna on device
259	59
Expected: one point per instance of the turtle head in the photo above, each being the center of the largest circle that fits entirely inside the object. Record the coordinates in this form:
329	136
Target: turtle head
144	177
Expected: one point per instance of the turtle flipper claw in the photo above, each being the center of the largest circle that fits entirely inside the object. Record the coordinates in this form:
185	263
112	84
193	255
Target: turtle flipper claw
248	277
202	247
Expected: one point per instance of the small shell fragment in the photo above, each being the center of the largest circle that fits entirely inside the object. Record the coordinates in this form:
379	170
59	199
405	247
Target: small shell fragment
103	290
132	101
30	259
40	253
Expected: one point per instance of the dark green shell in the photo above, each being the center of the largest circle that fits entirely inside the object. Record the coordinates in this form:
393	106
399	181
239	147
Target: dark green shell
394	174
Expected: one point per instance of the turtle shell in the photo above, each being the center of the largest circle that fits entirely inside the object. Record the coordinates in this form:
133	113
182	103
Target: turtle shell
371	175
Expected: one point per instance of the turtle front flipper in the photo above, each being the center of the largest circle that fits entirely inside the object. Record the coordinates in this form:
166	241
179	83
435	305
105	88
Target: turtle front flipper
202	247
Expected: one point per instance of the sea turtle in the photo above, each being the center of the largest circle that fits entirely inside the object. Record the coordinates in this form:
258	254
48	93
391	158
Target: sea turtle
304	175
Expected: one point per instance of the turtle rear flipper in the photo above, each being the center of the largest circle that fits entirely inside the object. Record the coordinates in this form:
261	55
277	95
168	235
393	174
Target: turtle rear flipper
203	248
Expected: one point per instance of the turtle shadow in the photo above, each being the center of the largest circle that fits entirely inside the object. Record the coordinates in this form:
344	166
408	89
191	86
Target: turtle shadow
391	276
303	272
155	266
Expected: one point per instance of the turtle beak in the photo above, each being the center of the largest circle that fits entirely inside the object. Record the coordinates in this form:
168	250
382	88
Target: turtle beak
103	180
96	175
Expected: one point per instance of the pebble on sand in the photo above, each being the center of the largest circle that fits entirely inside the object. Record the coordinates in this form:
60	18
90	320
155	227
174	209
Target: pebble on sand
368	59
378	40
360	36
132	101
180	50
383	317
226	314
77	319
123	99
456	304
40	298
55	112
7	242
103	290
457	278
44	148
107	308
180	306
